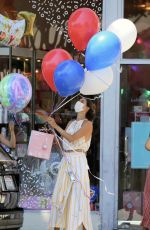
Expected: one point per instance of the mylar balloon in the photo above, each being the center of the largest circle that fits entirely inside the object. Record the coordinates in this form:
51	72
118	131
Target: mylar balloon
50	62
82	25
15	92
102	51
97	81
11	31
30	19
126	32
68	77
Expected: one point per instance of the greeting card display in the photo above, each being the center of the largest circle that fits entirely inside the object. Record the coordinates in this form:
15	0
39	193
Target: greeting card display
40	145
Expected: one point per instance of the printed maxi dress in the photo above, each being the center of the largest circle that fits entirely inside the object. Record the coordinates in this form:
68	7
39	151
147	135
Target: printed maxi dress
71	198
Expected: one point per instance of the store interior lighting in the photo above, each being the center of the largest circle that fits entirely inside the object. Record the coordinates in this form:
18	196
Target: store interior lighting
145	6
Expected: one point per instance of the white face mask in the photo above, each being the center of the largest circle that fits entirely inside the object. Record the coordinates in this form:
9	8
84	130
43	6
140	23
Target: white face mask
78	107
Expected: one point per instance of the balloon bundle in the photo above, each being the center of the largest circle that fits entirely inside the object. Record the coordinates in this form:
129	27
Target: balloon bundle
64	75
102	49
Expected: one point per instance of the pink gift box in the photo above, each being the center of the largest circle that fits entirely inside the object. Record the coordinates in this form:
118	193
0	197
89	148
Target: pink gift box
40	144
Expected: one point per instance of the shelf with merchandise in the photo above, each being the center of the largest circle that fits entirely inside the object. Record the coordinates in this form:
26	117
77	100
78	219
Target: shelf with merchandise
27	62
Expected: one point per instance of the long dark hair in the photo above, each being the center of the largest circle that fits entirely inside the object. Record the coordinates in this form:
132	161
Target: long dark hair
91	112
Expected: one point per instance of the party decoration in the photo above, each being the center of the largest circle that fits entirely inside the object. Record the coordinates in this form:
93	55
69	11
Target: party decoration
97	82
126	32
68	77
56	13
102	51
50	62
11	31
30	19
15	92
82	25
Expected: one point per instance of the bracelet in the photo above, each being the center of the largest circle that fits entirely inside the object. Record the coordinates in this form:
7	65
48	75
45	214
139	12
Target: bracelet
60	130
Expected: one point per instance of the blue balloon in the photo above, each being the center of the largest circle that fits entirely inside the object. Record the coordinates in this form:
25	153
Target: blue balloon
102	50
68	77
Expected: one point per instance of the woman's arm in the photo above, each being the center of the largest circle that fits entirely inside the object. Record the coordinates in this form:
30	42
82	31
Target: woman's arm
84	131
12	142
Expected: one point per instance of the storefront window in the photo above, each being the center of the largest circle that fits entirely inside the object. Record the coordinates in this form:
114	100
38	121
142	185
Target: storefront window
135	117
37	176
138	11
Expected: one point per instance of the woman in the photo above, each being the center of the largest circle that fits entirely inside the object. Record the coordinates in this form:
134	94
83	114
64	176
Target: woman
71	198
9	143
12	142
146	210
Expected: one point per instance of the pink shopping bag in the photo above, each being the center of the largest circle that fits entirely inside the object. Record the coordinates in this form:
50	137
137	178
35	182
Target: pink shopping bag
40	144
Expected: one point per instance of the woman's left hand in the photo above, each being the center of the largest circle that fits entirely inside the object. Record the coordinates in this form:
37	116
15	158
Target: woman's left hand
52	122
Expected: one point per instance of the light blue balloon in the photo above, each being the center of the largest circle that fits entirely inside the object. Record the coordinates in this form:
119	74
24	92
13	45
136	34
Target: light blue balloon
68	78
102	50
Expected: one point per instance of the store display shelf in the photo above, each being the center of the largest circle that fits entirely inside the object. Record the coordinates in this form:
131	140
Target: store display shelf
10	210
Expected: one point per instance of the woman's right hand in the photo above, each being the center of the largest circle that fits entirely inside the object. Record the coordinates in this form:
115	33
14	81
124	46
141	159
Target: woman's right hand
52	122
11	126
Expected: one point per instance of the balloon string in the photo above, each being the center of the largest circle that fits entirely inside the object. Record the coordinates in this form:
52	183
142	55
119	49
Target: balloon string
106	190
92	99
58	105
61	104
98	178
55	110
101	180
66	159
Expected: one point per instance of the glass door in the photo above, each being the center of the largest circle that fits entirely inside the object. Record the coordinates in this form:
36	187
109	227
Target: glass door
134	117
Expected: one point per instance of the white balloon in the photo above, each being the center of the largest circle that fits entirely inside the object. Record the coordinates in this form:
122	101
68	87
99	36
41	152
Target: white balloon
97	82
126	32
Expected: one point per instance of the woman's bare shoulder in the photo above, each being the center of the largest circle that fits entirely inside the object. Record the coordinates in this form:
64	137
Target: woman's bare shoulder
88	123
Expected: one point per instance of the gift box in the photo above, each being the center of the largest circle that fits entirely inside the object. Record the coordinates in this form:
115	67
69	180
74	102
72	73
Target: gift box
40	145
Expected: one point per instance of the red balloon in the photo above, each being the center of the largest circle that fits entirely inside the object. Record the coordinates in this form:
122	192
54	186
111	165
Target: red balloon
50	62
82	25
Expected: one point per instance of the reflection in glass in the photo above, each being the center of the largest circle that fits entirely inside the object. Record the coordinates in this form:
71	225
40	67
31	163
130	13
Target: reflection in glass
135	107
138	11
